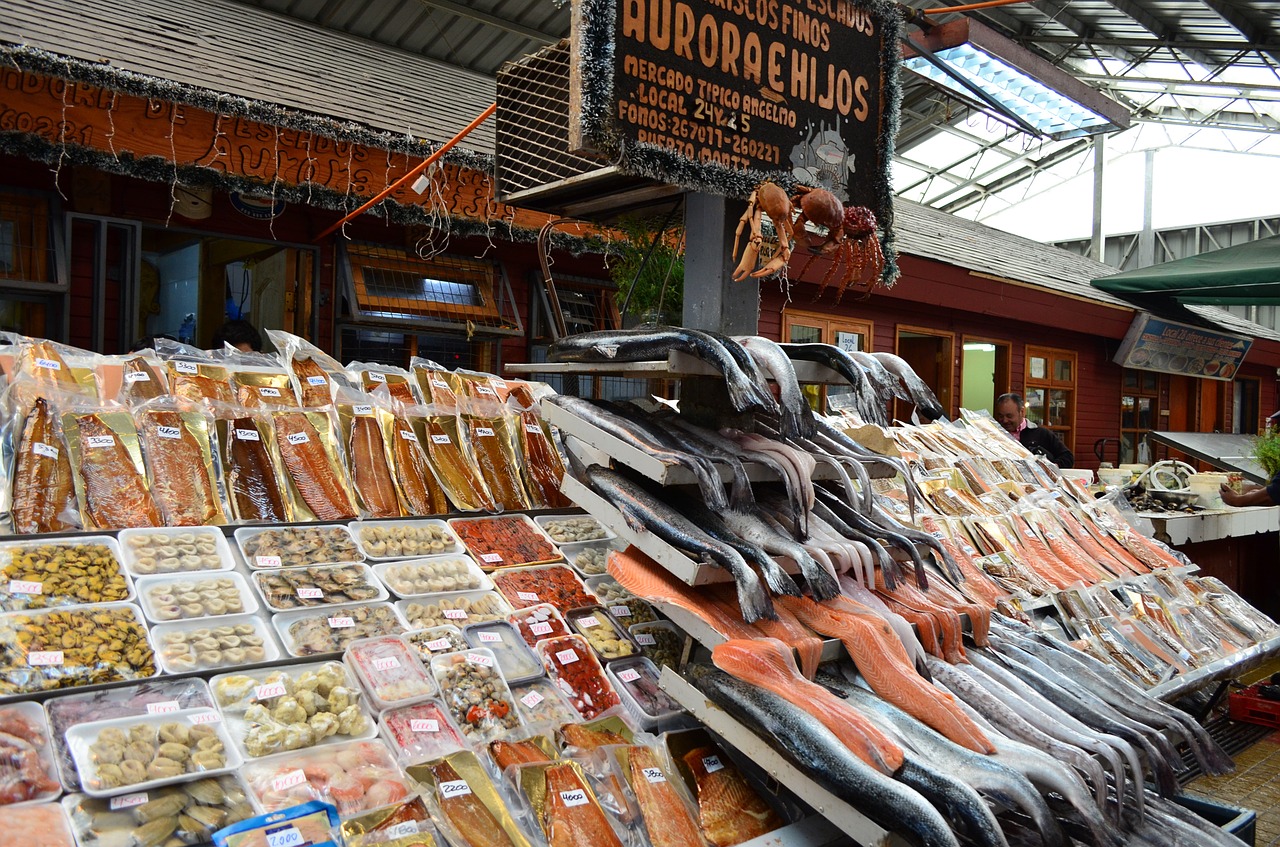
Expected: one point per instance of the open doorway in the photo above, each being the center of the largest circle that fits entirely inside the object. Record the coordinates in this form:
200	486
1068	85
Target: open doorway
984	373
930	354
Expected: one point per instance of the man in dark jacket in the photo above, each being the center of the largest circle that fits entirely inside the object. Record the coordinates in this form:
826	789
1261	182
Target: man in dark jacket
1011	413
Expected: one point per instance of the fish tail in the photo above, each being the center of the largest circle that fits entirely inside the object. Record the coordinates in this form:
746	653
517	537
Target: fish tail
822	585
754	601
775	578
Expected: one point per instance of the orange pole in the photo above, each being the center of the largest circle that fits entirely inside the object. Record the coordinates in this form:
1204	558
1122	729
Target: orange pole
971	7
413	174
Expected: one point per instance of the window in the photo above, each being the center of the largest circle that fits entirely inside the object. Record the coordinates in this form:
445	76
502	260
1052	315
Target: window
1139	411
1051	391
984	372
586	305
816	328
26	252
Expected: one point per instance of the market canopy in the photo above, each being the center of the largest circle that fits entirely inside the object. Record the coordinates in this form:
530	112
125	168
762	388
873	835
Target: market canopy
1244	275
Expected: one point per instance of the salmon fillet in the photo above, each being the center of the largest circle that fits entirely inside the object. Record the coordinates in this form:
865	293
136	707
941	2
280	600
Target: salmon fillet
977	585
43	489
640	575
313	381
469	816
577	735
729	810
508	753
251	480
307	461
199	387
496	460
417	481
571	818
543	468
180	480
666	817
369	468
115	494
786	628
139	382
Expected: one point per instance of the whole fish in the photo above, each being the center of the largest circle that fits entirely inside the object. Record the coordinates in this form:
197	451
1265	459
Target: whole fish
815	750
867	403
922	395
115	494
643	511
637	345
865	525
748	364
886	384
668	432
796	415
43	487
751	528
890	570
714	525
635	435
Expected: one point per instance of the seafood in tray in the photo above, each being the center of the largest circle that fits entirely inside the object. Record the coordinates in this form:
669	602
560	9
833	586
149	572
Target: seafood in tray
554	584
637	681
186	813
162	551
404	539
602	632
312	632
515	659
186	597
27	768
144	752
436	575
660	642
273	711
621	603
478	698
354	777
436	639
420	732
535	623
505	541
37	825
295	546
566	529
61	648
296	588
458	609
541	701
204	645
591	558
577	673
389	669
37	576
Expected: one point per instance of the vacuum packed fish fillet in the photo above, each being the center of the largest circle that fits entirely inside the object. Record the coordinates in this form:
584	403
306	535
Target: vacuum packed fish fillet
251	481
115	494
458	476
567	819
139	382
308	464
543	468
492	448
666	818
43	489
470	818
180	478
313	381
418	483
729	810
369	468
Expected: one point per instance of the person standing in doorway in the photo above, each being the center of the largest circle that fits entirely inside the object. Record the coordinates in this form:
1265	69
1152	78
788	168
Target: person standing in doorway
1011	413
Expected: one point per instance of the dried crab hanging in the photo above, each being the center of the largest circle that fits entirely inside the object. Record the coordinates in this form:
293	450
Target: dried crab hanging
859	251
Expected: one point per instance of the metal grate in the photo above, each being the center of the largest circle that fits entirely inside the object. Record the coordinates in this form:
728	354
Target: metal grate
532	129
389	347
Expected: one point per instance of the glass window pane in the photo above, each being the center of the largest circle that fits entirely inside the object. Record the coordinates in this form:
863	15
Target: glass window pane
1128	417
1059	407
1144	412
1038	367
1062	370
1151	383
1130	380
801	334
1128	447
1035	405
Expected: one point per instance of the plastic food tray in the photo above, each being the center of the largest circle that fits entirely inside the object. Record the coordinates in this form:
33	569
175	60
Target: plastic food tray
354	777
176	643
462	674
358	527
406	576
621	603
517	662
573	666
28	722
603	632
312	596
137	544
632	676
390	671
235	693
340	549
23	671
49	819
436	639
97	824
149	586
543	520
367	620
556	584
659	640
81	736
18	593
572	551
493	555
535	623
541	702
457	609
420	732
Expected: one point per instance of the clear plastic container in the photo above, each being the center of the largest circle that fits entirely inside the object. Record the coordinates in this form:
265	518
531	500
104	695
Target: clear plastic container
636	680
211	804
273	710
420	732
186	646
390	671
457	609
505	541
48	819
534	623
591	558
436	639
605	635
519	664
317	632
354	777
540	702
130	754
478	698
621	603
573	666
435	575
554	584
286	589
194	596
297	546
34	656
661	642
24	730
152	551
572	529
62	572
385	541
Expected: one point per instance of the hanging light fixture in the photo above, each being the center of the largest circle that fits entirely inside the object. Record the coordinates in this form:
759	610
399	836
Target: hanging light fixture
981	66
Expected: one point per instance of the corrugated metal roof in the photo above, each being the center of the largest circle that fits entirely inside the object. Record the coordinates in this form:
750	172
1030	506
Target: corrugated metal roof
232	48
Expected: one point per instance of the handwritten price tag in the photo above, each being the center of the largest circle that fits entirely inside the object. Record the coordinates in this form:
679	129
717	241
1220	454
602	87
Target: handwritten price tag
317	380
439	383
362	410
478	659
311	593
247	435
620	611
712	764
205	717
408	435
296	438
164	707
644	639
533	428
439	645
100	440
269	392
484	389
588	623
288	780
491	558
44	658
654	775
19	586
628	675
386	663
540	628
455	614
424	725
267	561
485	431
266	692
186	367
566	657
50	364
374	376
341	622
490	638
404	829
169	431
527	596
46	450
454	788
128	801
532	699
440	439
576	797
137	376
287	837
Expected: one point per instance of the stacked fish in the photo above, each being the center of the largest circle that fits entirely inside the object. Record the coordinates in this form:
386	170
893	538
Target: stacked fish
180	437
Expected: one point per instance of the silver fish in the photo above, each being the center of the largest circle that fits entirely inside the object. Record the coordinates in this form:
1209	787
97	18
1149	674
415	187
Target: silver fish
922	395
867	402
886	384
797	416
750	527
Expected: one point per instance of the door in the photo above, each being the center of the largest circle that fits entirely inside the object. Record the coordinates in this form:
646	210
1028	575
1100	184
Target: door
984	372
930	354
800	327
106	261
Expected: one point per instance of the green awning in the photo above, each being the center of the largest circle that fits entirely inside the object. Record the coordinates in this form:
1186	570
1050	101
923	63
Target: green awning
1244	275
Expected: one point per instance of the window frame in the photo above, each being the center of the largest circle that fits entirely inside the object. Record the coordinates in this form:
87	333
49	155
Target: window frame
1049	382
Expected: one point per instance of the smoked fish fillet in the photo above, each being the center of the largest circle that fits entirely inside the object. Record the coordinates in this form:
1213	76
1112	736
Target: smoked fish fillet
307	462
139	382
577	735
417	481
313	381
457	474
489	442
43	363
180	480
508	753
542	467
729	810
115	494
666	817
251	480
199	387
469	816
369	468
43	489
767	663
569	822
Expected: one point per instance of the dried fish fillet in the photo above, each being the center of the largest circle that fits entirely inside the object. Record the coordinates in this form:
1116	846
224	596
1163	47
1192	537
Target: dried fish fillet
369	468
115	493
458	476
251	480
181	482
313	381
43	490
139	382
542	466
310	468
197	386
418	484
490	441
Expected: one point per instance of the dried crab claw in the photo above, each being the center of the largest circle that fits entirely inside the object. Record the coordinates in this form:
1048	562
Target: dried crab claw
859	251
769	199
